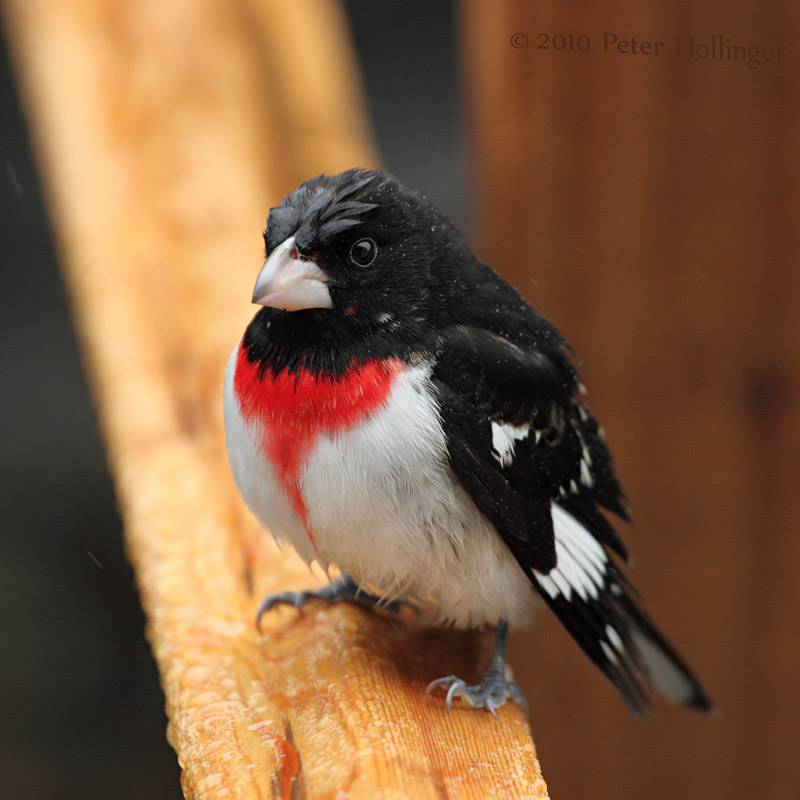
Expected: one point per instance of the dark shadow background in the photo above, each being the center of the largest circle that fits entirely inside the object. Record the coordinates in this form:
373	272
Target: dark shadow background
81	708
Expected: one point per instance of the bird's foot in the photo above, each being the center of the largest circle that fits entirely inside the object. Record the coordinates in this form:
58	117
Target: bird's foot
491	693
342	590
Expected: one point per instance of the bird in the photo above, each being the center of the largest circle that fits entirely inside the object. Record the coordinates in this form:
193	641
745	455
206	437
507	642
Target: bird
396	411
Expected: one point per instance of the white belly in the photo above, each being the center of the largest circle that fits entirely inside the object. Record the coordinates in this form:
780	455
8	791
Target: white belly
384	506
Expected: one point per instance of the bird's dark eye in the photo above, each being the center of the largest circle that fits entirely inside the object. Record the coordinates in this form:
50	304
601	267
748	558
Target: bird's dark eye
363	252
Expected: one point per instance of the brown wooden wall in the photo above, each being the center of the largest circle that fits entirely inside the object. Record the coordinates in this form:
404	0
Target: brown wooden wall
649	206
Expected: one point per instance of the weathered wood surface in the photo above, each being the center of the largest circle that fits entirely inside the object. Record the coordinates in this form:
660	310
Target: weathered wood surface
165	131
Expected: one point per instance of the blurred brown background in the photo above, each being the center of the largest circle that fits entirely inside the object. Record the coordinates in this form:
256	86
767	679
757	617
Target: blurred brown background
648	206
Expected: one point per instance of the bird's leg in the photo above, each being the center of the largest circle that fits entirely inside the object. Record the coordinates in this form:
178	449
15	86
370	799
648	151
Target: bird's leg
493	690
342	590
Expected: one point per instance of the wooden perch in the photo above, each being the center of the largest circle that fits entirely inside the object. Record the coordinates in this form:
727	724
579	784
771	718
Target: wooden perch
165	131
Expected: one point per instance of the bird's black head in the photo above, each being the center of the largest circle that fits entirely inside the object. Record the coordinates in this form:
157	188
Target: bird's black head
357	246
359	266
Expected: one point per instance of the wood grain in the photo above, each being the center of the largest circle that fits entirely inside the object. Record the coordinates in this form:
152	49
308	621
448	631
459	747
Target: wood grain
165	131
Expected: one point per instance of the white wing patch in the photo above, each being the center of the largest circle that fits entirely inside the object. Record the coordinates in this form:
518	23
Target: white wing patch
503	438
616	647
586	472
581	561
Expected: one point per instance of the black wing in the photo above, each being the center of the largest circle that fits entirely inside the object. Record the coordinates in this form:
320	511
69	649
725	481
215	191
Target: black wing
493	392
532	458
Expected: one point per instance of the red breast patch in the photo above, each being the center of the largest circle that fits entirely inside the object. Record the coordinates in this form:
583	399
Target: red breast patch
294	408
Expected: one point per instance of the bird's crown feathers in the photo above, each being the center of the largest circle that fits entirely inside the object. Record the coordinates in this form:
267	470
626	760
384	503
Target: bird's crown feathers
322	207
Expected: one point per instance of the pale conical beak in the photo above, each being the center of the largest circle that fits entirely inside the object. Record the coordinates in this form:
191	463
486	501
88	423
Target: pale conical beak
291	281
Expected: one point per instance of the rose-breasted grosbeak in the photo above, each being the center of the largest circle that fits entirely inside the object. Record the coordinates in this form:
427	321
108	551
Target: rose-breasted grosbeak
398	411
